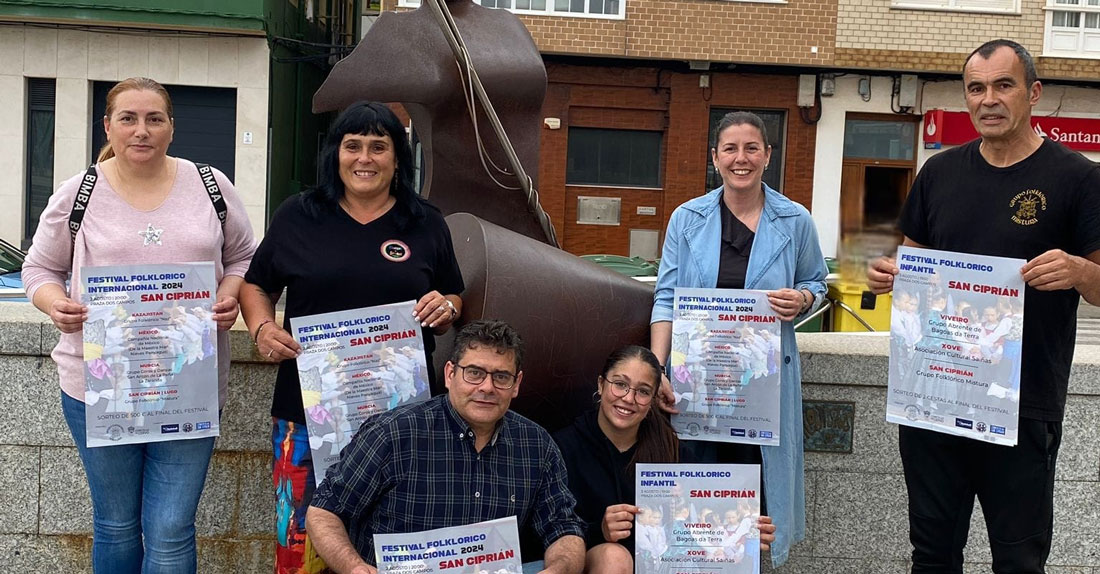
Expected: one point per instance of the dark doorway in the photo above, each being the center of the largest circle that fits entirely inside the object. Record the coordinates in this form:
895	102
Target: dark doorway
884	190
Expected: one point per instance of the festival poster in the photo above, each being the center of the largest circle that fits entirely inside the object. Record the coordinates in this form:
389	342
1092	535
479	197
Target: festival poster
490	547
354	364
956	335
150	353
697	518
726	356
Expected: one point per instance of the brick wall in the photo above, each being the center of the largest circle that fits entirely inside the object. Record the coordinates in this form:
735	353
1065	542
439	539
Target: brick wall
870	34
875	25
747	32
952	62
856	34
645	98
718	31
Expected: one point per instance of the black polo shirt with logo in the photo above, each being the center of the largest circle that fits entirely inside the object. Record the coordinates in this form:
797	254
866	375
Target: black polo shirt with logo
1050	200
330	262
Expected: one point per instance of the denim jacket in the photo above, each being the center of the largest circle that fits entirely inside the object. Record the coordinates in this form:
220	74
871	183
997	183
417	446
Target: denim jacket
785	253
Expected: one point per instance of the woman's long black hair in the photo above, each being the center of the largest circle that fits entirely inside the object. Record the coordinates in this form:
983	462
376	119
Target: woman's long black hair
366	118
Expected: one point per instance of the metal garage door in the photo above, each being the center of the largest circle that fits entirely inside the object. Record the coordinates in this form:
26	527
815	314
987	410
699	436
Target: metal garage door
206	124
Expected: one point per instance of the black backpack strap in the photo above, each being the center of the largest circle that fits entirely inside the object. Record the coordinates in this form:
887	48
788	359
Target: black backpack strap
213	190
80	204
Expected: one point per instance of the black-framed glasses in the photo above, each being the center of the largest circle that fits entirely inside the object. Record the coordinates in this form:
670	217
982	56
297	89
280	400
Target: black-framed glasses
619	389
474	374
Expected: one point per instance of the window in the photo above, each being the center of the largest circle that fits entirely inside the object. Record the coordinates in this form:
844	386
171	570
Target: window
776	122
877	139
1072	28
624	158
612	9
40	116
996	6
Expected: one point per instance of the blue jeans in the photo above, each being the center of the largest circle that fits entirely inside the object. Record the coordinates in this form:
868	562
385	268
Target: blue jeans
142	490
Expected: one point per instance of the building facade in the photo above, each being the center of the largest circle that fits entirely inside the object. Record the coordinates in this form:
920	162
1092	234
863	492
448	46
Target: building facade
241	74
635	87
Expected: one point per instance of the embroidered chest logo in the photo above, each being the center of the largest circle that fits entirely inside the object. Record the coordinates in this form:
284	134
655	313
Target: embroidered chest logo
1028	204
151	235
395	250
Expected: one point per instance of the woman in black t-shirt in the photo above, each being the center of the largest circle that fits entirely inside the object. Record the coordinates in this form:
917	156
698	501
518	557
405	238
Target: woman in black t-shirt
601	449
362	237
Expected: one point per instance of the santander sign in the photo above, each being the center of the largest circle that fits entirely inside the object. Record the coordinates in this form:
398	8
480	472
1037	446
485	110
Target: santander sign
952	128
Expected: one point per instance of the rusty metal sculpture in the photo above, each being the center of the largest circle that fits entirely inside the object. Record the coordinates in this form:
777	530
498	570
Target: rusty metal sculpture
571	313
406	58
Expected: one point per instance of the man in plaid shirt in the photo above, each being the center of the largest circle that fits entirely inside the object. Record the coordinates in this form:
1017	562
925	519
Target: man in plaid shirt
455	459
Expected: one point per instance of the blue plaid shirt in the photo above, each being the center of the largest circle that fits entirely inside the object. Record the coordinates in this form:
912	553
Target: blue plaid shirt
415	468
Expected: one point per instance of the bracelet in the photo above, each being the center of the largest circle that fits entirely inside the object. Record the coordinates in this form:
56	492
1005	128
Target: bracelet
806	304
454	310
256	338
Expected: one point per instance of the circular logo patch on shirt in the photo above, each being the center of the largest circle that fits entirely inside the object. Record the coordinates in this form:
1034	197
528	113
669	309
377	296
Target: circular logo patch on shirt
395	250
1028	204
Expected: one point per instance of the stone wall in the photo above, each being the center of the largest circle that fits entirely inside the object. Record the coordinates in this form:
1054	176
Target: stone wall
856	505
45	525
855	502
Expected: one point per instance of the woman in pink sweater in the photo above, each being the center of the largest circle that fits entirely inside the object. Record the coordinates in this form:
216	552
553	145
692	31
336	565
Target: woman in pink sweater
145	207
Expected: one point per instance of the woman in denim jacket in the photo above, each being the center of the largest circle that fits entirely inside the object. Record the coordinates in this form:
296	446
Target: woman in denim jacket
745	235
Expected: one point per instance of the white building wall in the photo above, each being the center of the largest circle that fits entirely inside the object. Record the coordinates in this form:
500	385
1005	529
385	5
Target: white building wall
829	150
1059	100
77	58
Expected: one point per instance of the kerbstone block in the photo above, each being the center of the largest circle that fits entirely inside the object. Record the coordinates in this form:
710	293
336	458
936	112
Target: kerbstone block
844	358
235	556
32	402
19	483
806	546
807	565
255	556
256	497
66	502
218	506
20	338
32	554
1079	455
246	418
1076	516
861	515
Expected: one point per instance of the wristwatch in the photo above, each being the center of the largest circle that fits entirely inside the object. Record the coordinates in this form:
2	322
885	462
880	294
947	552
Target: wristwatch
454	311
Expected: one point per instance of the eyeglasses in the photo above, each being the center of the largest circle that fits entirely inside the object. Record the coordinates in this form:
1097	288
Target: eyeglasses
619	389
474	375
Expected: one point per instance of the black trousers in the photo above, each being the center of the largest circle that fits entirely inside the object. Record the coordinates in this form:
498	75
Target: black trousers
1015	486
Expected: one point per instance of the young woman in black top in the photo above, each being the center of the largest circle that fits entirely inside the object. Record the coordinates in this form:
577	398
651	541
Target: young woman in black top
601	448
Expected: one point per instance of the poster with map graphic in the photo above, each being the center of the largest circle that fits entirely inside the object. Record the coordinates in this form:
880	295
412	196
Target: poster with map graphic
956	339
150	353
725	361
354	364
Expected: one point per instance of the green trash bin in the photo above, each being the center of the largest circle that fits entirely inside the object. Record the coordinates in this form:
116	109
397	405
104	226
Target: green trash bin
629	266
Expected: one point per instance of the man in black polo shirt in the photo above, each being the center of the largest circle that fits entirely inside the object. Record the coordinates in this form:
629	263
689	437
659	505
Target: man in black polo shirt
1010	193
456	459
